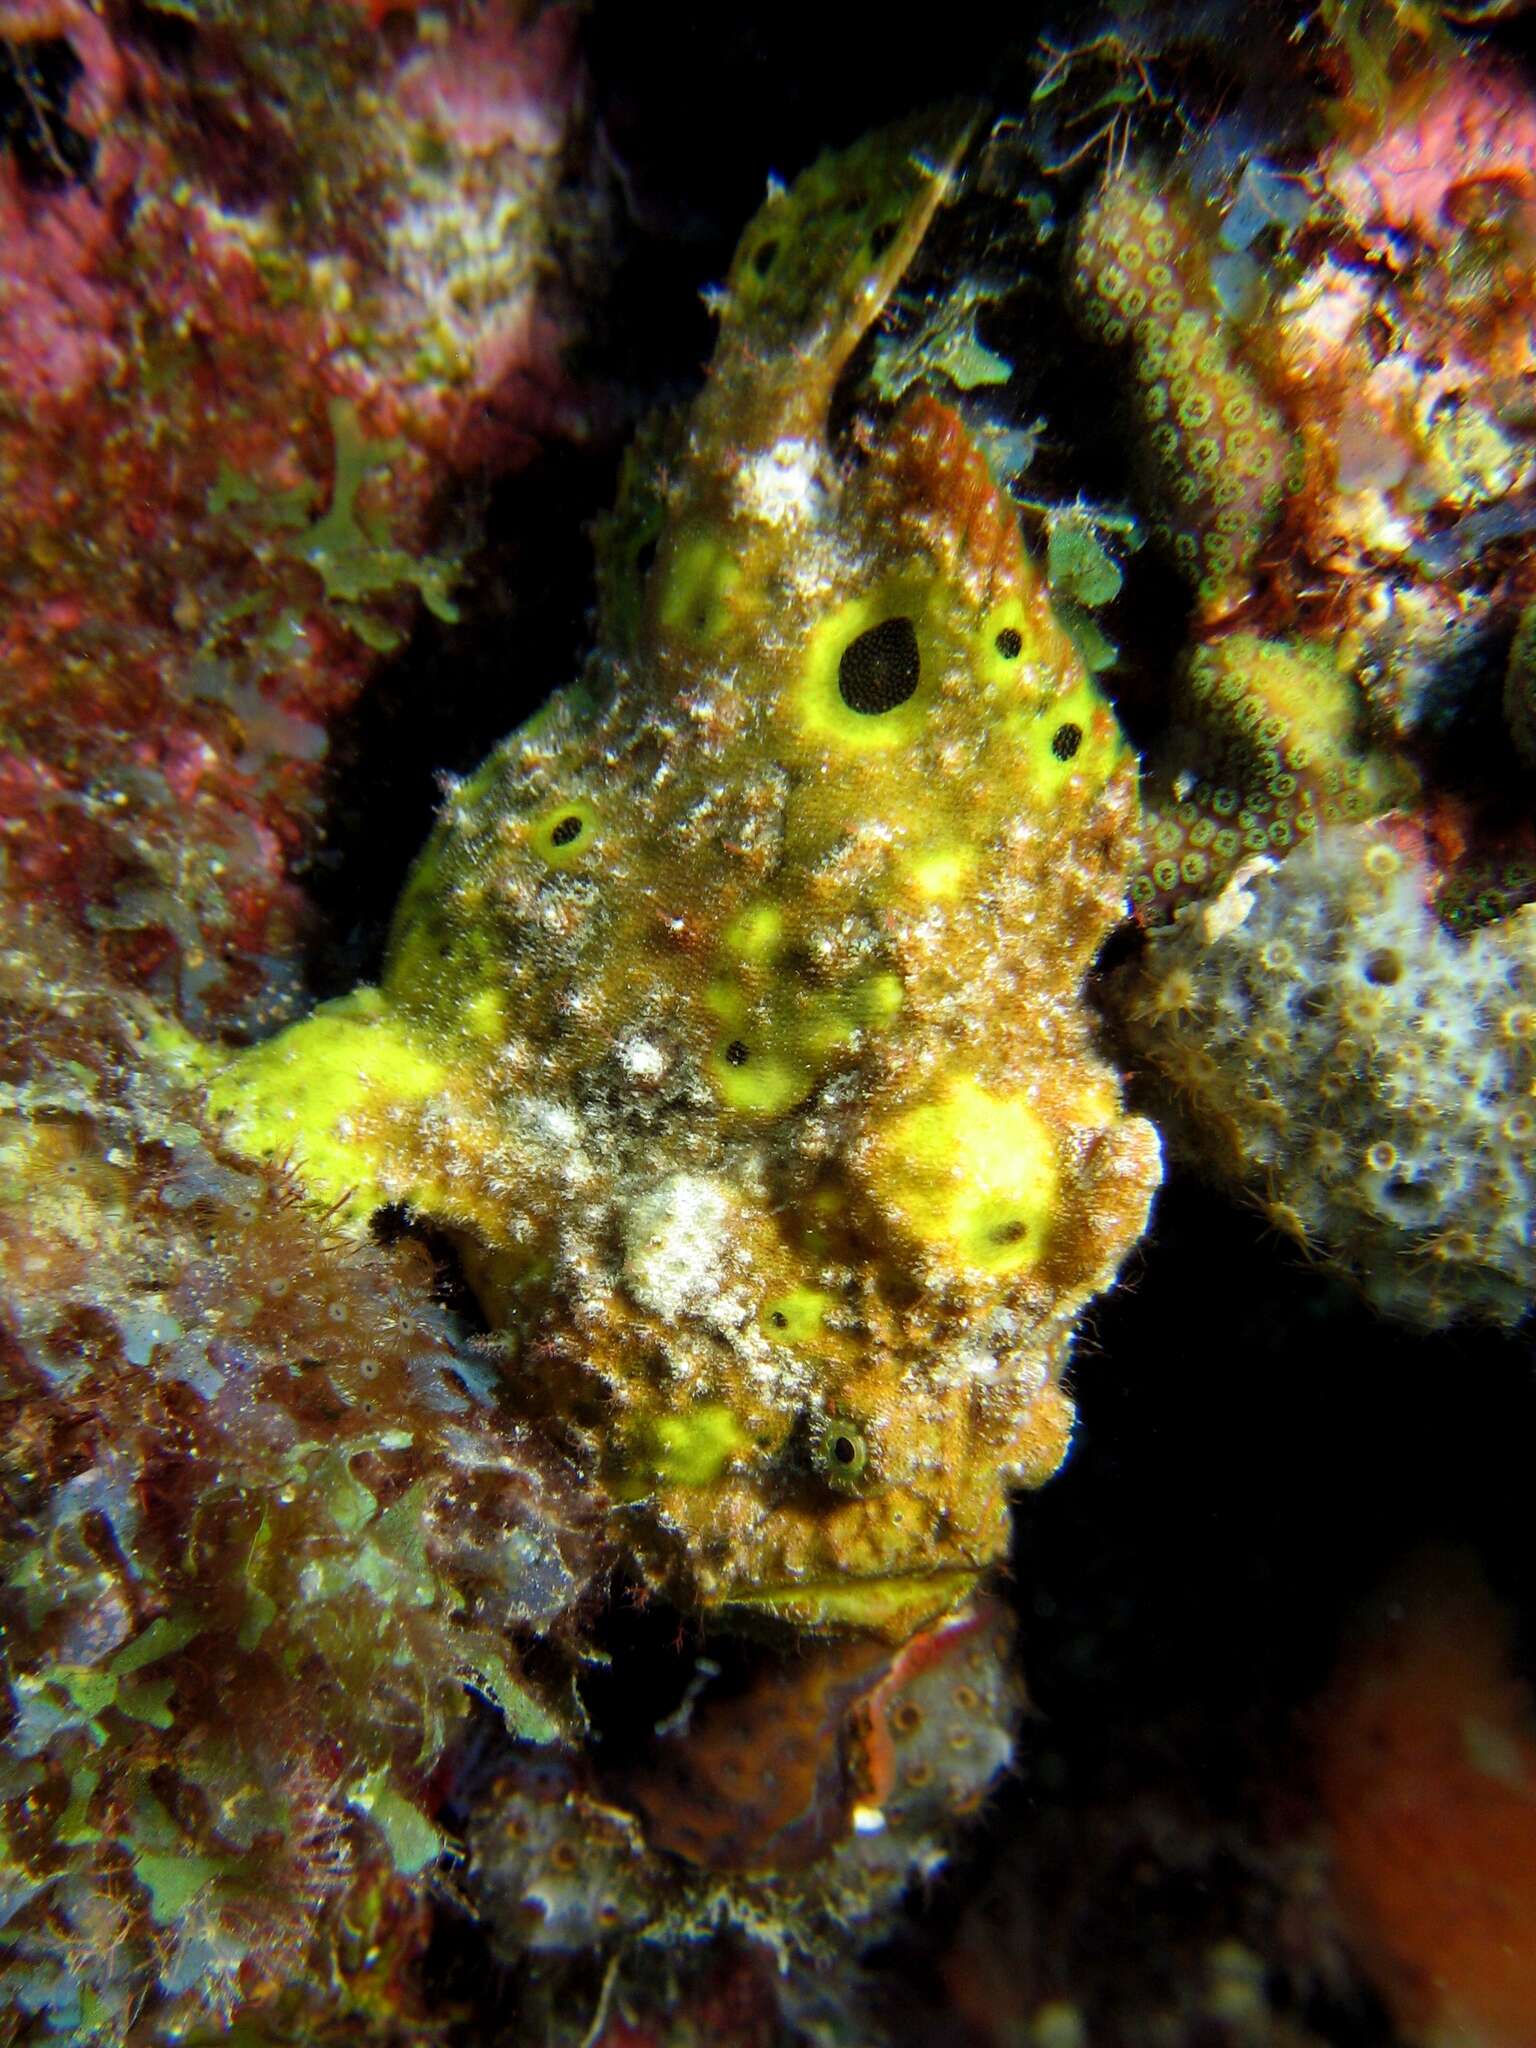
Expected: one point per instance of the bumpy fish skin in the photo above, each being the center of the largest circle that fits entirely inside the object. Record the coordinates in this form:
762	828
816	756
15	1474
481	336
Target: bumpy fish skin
733	1021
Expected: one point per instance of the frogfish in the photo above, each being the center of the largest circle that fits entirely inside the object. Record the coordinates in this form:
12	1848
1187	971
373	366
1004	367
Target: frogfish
733	1025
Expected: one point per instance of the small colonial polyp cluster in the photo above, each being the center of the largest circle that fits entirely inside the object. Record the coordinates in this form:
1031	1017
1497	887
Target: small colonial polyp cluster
1335	453
1342	1049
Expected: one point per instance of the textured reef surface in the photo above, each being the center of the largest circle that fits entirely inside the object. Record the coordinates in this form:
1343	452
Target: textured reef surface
651	1471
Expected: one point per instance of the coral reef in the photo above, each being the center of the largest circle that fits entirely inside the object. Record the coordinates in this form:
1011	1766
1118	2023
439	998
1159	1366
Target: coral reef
733	1021
523	1490
1268	744
1373	330
269	279
1402	350
1340	430
1217	450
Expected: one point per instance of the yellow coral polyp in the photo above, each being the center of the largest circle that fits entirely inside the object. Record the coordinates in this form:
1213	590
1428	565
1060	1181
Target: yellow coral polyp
1260	693
940	874
727	1000
833	1023
824	1211
798	1317
971	1173
756	933
877	999
485	1016
693	1449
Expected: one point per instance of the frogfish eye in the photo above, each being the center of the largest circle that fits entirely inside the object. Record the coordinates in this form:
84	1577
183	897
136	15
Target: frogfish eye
842	1455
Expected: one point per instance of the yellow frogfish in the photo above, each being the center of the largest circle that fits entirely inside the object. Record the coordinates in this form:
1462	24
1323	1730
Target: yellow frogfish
733	1024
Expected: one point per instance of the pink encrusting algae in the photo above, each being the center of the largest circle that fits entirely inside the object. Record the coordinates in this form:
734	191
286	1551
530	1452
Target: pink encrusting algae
258	302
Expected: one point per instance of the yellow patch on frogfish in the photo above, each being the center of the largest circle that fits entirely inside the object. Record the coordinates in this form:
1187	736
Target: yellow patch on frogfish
733	1021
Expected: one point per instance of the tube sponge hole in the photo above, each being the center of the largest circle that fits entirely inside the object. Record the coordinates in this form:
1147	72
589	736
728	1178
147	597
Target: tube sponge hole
1075	735
758	1081
1384	966
797	1317
871	669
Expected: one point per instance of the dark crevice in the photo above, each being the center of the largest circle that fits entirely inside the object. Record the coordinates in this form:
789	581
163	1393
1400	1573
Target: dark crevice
450	1290
36	79
451	694
171	37
652	1652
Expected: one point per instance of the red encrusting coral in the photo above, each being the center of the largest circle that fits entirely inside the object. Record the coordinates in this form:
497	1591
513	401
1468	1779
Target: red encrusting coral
759	1782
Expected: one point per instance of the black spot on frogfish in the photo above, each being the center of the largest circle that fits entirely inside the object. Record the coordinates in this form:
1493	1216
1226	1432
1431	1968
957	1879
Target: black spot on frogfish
881	668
